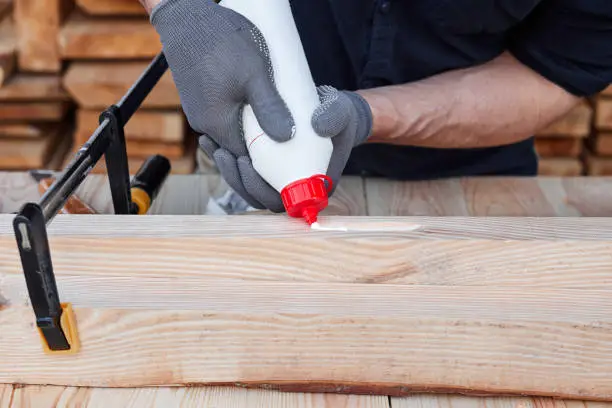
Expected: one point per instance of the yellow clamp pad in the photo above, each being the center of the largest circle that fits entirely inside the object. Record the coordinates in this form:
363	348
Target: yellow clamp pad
141	199
68	324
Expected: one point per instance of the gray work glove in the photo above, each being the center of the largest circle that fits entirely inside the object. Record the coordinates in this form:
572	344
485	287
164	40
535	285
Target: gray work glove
343	116
219	61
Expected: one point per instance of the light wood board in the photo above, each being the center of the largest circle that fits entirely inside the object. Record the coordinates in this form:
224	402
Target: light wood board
257	322
140	149
603	114
196	397
112	7
558	147
38	24
24	87
97	85
86	38
561	167
166	126
491	196
576	123
459	401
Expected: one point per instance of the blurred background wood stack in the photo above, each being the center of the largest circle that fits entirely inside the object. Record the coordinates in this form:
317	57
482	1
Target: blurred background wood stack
599	156
62	62
560	146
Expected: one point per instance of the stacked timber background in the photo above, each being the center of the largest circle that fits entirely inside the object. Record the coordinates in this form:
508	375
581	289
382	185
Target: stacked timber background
62	62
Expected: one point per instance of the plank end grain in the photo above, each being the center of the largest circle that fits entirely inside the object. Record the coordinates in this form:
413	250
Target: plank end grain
38	24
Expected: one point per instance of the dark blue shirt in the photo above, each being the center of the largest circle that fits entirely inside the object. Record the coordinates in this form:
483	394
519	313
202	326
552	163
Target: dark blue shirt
358	44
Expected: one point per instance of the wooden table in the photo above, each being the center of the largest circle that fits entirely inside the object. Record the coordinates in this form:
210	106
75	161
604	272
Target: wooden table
541	197
194	194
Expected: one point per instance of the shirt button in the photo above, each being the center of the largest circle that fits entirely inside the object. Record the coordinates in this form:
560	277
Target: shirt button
385	6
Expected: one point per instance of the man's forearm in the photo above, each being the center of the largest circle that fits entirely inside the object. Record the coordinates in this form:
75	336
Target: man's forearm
497	103
149	4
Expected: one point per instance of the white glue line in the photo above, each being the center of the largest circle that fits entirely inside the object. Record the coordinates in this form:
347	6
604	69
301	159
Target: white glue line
385	227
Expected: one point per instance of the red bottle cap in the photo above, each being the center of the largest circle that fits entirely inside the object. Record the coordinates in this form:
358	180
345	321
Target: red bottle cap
307	197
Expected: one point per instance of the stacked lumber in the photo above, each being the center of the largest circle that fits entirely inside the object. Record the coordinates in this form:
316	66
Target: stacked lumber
108	44
560	145
599	159
34	108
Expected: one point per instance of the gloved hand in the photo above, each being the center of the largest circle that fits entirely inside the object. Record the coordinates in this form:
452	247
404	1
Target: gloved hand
343	116
219	61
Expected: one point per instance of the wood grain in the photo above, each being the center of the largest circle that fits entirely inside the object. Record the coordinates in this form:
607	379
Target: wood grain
490	196
24	87
33	111
8	48
561	167
166	126
576	123
549	342
38	24
185	397
603	114
6	395
86	38
97	85
510	252
111	7
558	147
460	401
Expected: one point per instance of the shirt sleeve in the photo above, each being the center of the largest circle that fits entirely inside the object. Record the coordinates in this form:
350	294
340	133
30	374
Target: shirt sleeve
569	42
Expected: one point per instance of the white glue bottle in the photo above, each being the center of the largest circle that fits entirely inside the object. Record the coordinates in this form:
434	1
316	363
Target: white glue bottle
297	168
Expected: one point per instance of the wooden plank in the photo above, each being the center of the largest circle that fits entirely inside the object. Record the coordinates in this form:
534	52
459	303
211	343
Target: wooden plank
185	397
24	154
151	126
599	166
489	196
456	251
6	395
558	147
577	123
322	336
21	130
98	85
23	87
33	111
561	167
112	7
461	401
602	144
8	47
38	23
603	114
83	38
139	148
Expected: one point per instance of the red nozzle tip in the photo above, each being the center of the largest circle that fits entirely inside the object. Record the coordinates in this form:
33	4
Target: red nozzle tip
310	215
305	198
